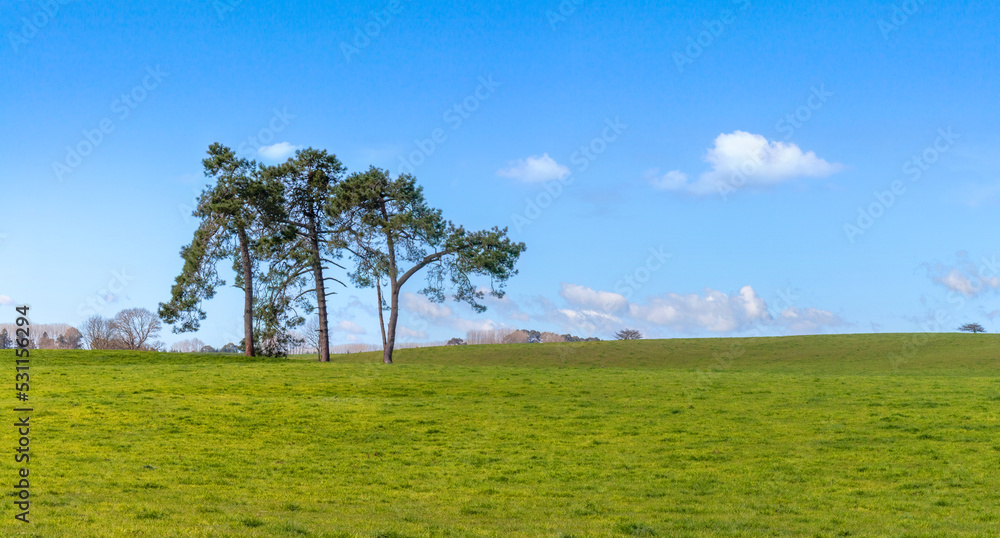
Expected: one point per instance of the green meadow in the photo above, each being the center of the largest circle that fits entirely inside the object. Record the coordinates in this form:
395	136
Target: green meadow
853	435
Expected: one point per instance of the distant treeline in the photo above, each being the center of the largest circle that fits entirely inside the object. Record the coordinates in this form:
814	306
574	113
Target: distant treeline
516	336
42	336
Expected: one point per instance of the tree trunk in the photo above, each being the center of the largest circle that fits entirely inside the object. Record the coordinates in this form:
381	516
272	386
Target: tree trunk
381	320
317	268
390	342
247	294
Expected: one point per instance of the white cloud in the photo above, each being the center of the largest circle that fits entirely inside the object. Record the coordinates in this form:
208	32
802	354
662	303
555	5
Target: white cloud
464	325
277	152
966	276
753	305
424	307
534	169
582	296
956	281
587	321
672	180
969	286
808	320
741	159
349	327
353	305
714	311
5	300
505	306
406	332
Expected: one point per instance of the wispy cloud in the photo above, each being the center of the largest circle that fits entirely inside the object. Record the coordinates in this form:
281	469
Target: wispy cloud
408	333
966	276
535	169
582	296
808	320
712	311
349	327
423	307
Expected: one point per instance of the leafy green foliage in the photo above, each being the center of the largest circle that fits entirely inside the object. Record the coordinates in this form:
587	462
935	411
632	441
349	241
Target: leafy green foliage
228	212
304	188
237	222
392	233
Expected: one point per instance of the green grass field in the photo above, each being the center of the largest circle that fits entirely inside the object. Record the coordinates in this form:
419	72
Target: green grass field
854	435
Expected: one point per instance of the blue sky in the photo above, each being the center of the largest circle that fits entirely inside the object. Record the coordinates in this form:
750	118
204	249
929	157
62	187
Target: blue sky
693	169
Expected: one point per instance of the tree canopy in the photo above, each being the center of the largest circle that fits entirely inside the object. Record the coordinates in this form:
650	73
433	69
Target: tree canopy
284	226
972	328
392	234
304	185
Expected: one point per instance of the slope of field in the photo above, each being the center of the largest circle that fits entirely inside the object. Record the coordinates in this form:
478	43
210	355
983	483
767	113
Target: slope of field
820	436
848	354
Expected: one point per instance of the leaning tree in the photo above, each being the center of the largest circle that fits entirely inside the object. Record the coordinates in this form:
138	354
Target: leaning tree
230	228
392	233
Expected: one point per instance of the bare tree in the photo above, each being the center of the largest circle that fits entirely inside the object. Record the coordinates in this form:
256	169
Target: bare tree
476	336
98	333
548	338
628	334
972	328
135	327
488	336
311	332
343	349
188	346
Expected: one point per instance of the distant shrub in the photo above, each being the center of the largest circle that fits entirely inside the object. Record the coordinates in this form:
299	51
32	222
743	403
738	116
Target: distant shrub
628	334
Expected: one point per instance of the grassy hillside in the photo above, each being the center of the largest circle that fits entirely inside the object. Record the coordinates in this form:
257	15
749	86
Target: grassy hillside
824	436
835	354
